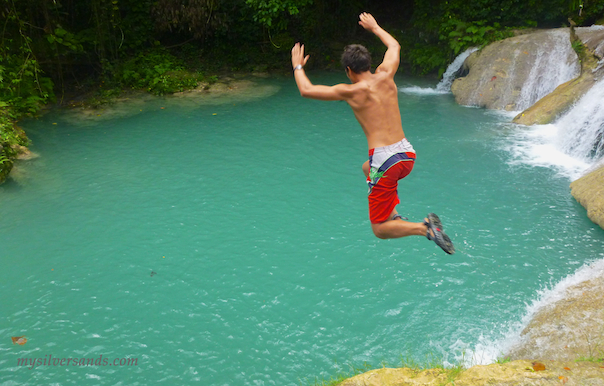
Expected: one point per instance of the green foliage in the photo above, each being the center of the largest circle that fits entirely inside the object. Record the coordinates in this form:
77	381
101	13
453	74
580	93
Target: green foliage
136	29
463	35
66	39
585	12
156	71
22	85
23	88
579	47
337	379
428	58
10	135
598	358
273	13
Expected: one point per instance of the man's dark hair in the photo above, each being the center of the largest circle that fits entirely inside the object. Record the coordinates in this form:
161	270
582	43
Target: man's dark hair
357	58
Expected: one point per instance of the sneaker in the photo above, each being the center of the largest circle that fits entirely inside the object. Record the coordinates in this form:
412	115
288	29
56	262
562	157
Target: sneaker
435	233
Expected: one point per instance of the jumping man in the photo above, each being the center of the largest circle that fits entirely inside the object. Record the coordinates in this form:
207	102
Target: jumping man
373	98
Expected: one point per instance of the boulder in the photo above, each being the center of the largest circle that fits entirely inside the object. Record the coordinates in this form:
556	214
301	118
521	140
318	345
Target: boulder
589	192
593	38
514	73
553	105
570	329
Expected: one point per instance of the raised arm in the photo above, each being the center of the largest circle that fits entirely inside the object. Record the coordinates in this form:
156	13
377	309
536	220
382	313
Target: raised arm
392	57
307	89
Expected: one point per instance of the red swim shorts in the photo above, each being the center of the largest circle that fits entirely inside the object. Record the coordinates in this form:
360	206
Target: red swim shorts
388	165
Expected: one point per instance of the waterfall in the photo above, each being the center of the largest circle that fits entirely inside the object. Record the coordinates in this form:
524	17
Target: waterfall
444	86
581	130
452	69
555	63
573	144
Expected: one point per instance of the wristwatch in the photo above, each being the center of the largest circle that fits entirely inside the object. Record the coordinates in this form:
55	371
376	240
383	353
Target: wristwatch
298	67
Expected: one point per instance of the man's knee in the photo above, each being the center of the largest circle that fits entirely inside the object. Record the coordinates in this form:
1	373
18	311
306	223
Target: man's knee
378	231
365	168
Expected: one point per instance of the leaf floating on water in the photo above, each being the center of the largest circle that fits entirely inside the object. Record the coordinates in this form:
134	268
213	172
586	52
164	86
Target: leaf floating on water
538	366
20	340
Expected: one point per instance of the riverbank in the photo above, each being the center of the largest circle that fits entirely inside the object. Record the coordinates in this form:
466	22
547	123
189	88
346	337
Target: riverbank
95	104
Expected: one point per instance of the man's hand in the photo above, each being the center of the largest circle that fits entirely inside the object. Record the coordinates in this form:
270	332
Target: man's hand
368	22
298	55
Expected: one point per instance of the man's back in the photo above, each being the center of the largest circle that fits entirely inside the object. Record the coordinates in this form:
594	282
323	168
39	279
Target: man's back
374	101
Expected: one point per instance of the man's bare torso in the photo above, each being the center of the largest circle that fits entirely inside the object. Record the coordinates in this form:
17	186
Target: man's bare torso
375	104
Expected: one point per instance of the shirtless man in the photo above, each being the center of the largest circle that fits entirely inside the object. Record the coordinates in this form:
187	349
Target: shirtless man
373	98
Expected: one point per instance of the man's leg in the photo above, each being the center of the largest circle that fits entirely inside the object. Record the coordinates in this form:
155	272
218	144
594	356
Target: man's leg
393	229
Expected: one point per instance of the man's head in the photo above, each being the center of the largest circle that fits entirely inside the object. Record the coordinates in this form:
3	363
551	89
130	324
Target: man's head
357	58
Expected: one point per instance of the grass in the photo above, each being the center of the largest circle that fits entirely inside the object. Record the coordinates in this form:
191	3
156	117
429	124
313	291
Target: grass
431	361
595	359
338	378
502	360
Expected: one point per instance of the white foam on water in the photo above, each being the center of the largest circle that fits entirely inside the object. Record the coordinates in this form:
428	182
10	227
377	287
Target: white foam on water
493	345
416	90
537	146
572	145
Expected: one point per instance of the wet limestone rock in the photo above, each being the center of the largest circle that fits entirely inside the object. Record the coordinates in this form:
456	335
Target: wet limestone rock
520	372
548	108
589	192
570	329
593	38
498	72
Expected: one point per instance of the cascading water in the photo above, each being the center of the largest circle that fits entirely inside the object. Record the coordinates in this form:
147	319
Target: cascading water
452	69
581	131
444	86
515	73
555	63
574	143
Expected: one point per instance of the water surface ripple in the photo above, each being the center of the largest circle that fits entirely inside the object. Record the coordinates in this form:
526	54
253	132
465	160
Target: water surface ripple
226	242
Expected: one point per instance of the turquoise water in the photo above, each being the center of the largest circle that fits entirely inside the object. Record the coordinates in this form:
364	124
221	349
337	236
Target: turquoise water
225	241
